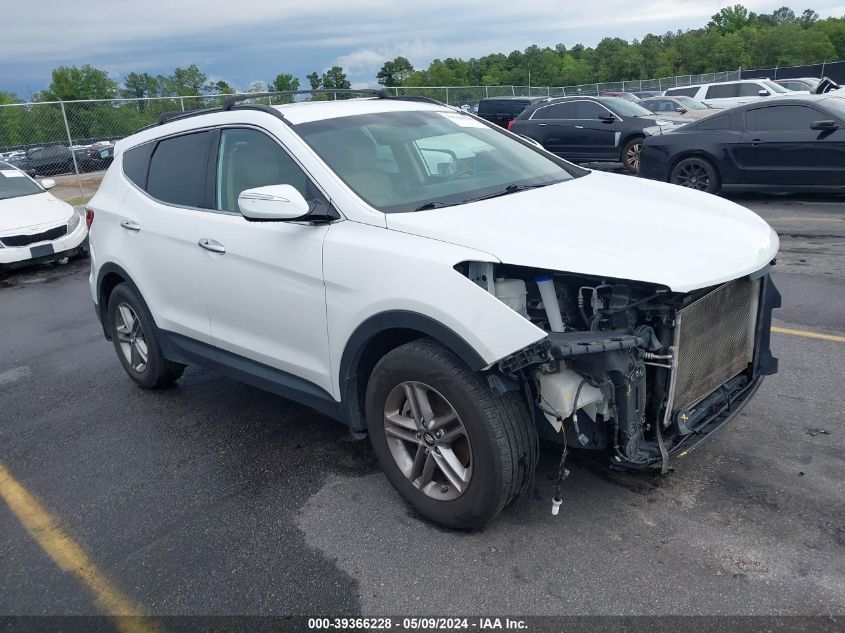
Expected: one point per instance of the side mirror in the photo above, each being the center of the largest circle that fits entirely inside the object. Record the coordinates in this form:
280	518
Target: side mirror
824	125
272	203
680	110
48	183
764	93
607	118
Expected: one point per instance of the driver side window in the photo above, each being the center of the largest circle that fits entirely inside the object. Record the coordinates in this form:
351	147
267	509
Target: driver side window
248	159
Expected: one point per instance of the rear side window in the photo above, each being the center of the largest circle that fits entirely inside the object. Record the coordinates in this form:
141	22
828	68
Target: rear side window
135	162
566	110
723	91
686	92
718	122
178	169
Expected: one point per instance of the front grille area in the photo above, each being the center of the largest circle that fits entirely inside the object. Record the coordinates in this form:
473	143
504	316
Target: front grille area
715	339
26	240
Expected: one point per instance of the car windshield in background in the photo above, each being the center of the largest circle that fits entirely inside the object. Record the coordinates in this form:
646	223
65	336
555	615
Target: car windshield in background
14	184
409	161
773	87
626	108
691	104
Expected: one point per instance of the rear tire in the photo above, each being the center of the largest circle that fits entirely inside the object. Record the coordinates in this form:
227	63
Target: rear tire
696	173
135	340
453	448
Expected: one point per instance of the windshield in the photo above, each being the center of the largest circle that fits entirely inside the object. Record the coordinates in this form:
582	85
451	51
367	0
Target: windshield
773	87
405	161
691	104
624	108
14	183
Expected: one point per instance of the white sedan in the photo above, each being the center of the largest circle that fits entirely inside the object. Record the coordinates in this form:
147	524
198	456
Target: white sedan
35	226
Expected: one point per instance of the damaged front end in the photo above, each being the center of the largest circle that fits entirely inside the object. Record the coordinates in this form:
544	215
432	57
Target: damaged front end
633	369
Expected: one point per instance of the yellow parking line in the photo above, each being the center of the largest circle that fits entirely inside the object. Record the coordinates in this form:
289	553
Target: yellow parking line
809	334
70	556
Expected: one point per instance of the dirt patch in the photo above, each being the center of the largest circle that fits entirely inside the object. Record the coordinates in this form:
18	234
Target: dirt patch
68	187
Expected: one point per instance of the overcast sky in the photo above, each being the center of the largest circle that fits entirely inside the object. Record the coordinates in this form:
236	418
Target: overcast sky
255	39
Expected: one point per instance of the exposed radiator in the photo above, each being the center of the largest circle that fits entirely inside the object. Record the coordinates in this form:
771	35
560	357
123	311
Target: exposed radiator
715	339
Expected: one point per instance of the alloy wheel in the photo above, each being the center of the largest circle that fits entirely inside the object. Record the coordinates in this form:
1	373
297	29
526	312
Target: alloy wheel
693	175
427	440
632	156
130	335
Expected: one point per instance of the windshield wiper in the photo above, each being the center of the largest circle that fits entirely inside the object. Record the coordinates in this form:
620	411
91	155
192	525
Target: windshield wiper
436	204
504	192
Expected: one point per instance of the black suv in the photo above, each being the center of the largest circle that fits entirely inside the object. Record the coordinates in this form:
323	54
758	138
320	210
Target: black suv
588	129
47	161
503	110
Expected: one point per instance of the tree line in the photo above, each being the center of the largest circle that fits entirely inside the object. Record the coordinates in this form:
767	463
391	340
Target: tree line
734	37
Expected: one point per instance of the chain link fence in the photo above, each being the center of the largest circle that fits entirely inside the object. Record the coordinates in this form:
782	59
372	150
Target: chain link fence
72	141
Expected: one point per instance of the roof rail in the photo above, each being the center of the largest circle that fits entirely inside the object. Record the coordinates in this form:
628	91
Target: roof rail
235	99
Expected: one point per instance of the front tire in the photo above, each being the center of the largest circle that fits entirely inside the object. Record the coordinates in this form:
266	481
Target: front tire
454	450
631	154
134	336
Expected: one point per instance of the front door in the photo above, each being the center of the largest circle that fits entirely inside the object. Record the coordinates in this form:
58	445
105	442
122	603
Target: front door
263	281
779	147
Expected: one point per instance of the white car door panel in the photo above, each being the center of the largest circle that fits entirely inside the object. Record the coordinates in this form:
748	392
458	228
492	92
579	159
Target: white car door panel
263	281
265	293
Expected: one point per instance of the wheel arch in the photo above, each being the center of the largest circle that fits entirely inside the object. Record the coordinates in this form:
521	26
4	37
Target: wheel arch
377	336
108	278
627	139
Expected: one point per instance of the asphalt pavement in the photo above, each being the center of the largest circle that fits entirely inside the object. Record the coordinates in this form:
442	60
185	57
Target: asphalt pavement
215	498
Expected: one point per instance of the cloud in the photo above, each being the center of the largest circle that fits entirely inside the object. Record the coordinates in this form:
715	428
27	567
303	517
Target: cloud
240	41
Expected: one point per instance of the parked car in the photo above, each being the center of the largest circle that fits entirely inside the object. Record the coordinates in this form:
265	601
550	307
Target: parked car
451	308
47	161
683	106
588	129
35	226
629	96
645	94
801	84
96	159
730	93
785	145
503	110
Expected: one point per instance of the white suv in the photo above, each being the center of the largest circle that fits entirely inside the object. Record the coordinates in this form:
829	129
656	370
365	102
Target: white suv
434	281
732	93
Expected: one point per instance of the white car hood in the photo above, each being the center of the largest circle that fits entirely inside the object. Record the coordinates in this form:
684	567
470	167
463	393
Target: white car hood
30	213
610	226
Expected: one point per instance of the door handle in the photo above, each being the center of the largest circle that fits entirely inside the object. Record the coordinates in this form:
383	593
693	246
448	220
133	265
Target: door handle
756	141
579	127
542	124
131	226
212	245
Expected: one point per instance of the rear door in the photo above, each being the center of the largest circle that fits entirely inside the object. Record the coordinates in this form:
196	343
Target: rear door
778	147
156	229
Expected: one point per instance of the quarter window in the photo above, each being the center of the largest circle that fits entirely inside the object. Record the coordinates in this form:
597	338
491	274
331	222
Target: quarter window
249	159
177	170
781	117
135	163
